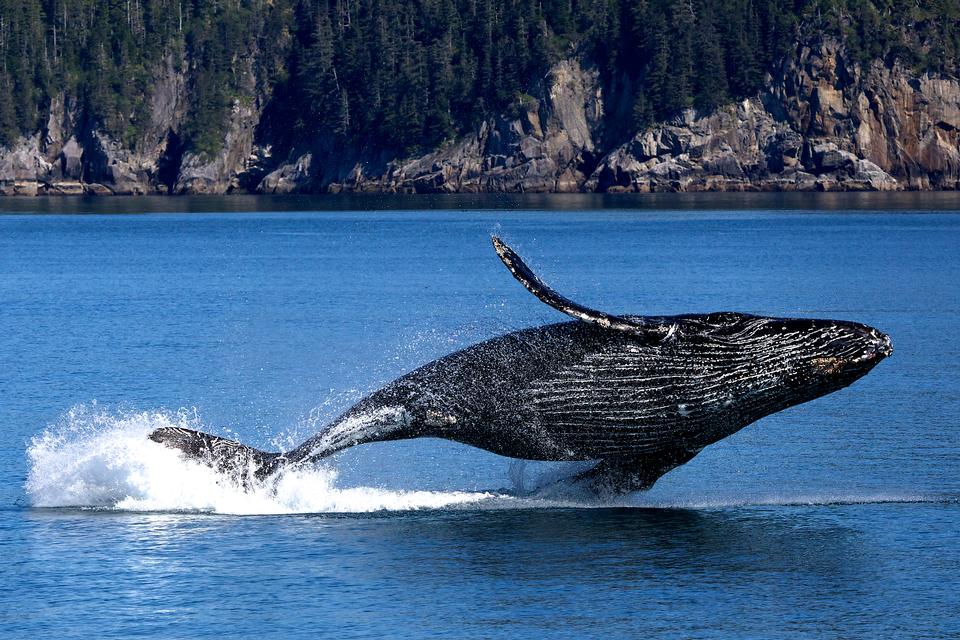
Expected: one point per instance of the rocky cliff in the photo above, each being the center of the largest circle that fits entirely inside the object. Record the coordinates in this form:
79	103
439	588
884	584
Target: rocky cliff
822	122
548	144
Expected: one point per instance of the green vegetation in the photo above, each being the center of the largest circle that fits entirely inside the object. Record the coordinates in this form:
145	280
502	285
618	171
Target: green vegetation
407	74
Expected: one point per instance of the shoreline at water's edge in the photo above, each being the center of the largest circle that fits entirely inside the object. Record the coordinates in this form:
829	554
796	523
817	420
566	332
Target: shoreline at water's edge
34	189
809	202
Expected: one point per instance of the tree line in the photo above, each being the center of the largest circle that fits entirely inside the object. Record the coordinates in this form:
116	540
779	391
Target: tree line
406	75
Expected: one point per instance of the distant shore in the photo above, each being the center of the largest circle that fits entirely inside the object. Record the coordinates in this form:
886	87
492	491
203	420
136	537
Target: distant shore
32	189
439	203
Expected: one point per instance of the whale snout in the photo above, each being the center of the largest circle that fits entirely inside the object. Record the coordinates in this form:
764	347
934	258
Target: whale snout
857	350
883	346
865	350
878	344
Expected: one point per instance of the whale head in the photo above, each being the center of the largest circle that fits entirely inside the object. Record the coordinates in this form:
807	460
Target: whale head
835	353
786	361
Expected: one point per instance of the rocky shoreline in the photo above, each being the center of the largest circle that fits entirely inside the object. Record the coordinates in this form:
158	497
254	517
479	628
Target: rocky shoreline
822	123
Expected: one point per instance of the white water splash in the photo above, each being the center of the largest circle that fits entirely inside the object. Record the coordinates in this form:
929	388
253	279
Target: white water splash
103	460
97	459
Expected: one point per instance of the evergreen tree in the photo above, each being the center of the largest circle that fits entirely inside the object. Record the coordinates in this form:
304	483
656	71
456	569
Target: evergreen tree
8	115
408	74
711	79
321	88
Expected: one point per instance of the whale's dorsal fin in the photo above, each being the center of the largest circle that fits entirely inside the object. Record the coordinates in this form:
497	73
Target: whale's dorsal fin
539	288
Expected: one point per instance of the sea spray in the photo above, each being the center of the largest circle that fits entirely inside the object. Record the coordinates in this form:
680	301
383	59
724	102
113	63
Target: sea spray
98	459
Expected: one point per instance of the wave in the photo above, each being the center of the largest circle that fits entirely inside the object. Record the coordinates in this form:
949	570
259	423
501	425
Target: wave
97	459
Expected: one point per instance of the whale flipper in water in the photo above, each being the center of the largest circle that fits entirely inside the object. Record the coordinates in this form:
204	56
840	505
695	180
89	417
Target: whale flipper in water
640	394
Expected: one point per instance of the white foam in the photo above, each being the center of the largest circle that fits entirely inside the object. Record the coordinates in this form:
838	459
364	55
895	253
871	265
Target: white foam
98	459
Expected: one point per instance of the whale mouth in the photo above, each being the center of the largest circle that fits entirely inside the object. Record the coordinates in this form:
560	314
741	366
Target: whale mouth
857	356
878	347
885	346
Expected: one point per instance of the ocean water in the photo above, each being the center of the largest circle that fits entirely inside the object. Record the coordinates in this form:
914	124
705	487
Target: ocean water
837	518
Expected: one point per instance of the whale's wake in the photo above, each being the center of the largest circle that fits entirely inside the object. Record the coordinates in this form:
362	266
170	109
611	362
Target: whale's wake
103	460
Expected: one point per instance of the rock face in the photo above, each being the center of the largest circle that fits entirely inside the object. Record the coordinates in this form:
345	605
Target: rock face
739	148
221	173
823	122
908	126
23	167
547	145
71	159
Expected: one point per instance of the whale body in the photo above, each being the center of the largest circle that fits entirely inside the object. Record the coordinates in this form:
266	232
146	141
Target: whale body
640	395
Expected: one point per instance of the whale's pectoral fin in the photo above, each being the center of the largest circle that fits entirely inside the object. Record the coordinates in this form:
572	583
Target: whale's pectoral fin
622	475
539	288
226	456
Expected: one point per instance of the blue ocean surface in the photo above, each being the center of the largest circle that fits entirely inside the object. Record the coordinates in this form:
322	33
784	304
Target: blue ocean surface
836	518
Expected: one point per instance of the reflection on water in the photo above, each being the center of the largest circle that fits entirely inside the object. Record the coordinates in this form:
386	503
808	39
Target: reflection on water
667	570
898	201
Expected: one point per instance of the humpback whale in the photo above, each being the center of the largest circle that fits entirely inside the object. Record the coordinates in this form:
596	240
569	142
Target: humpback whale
640	395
